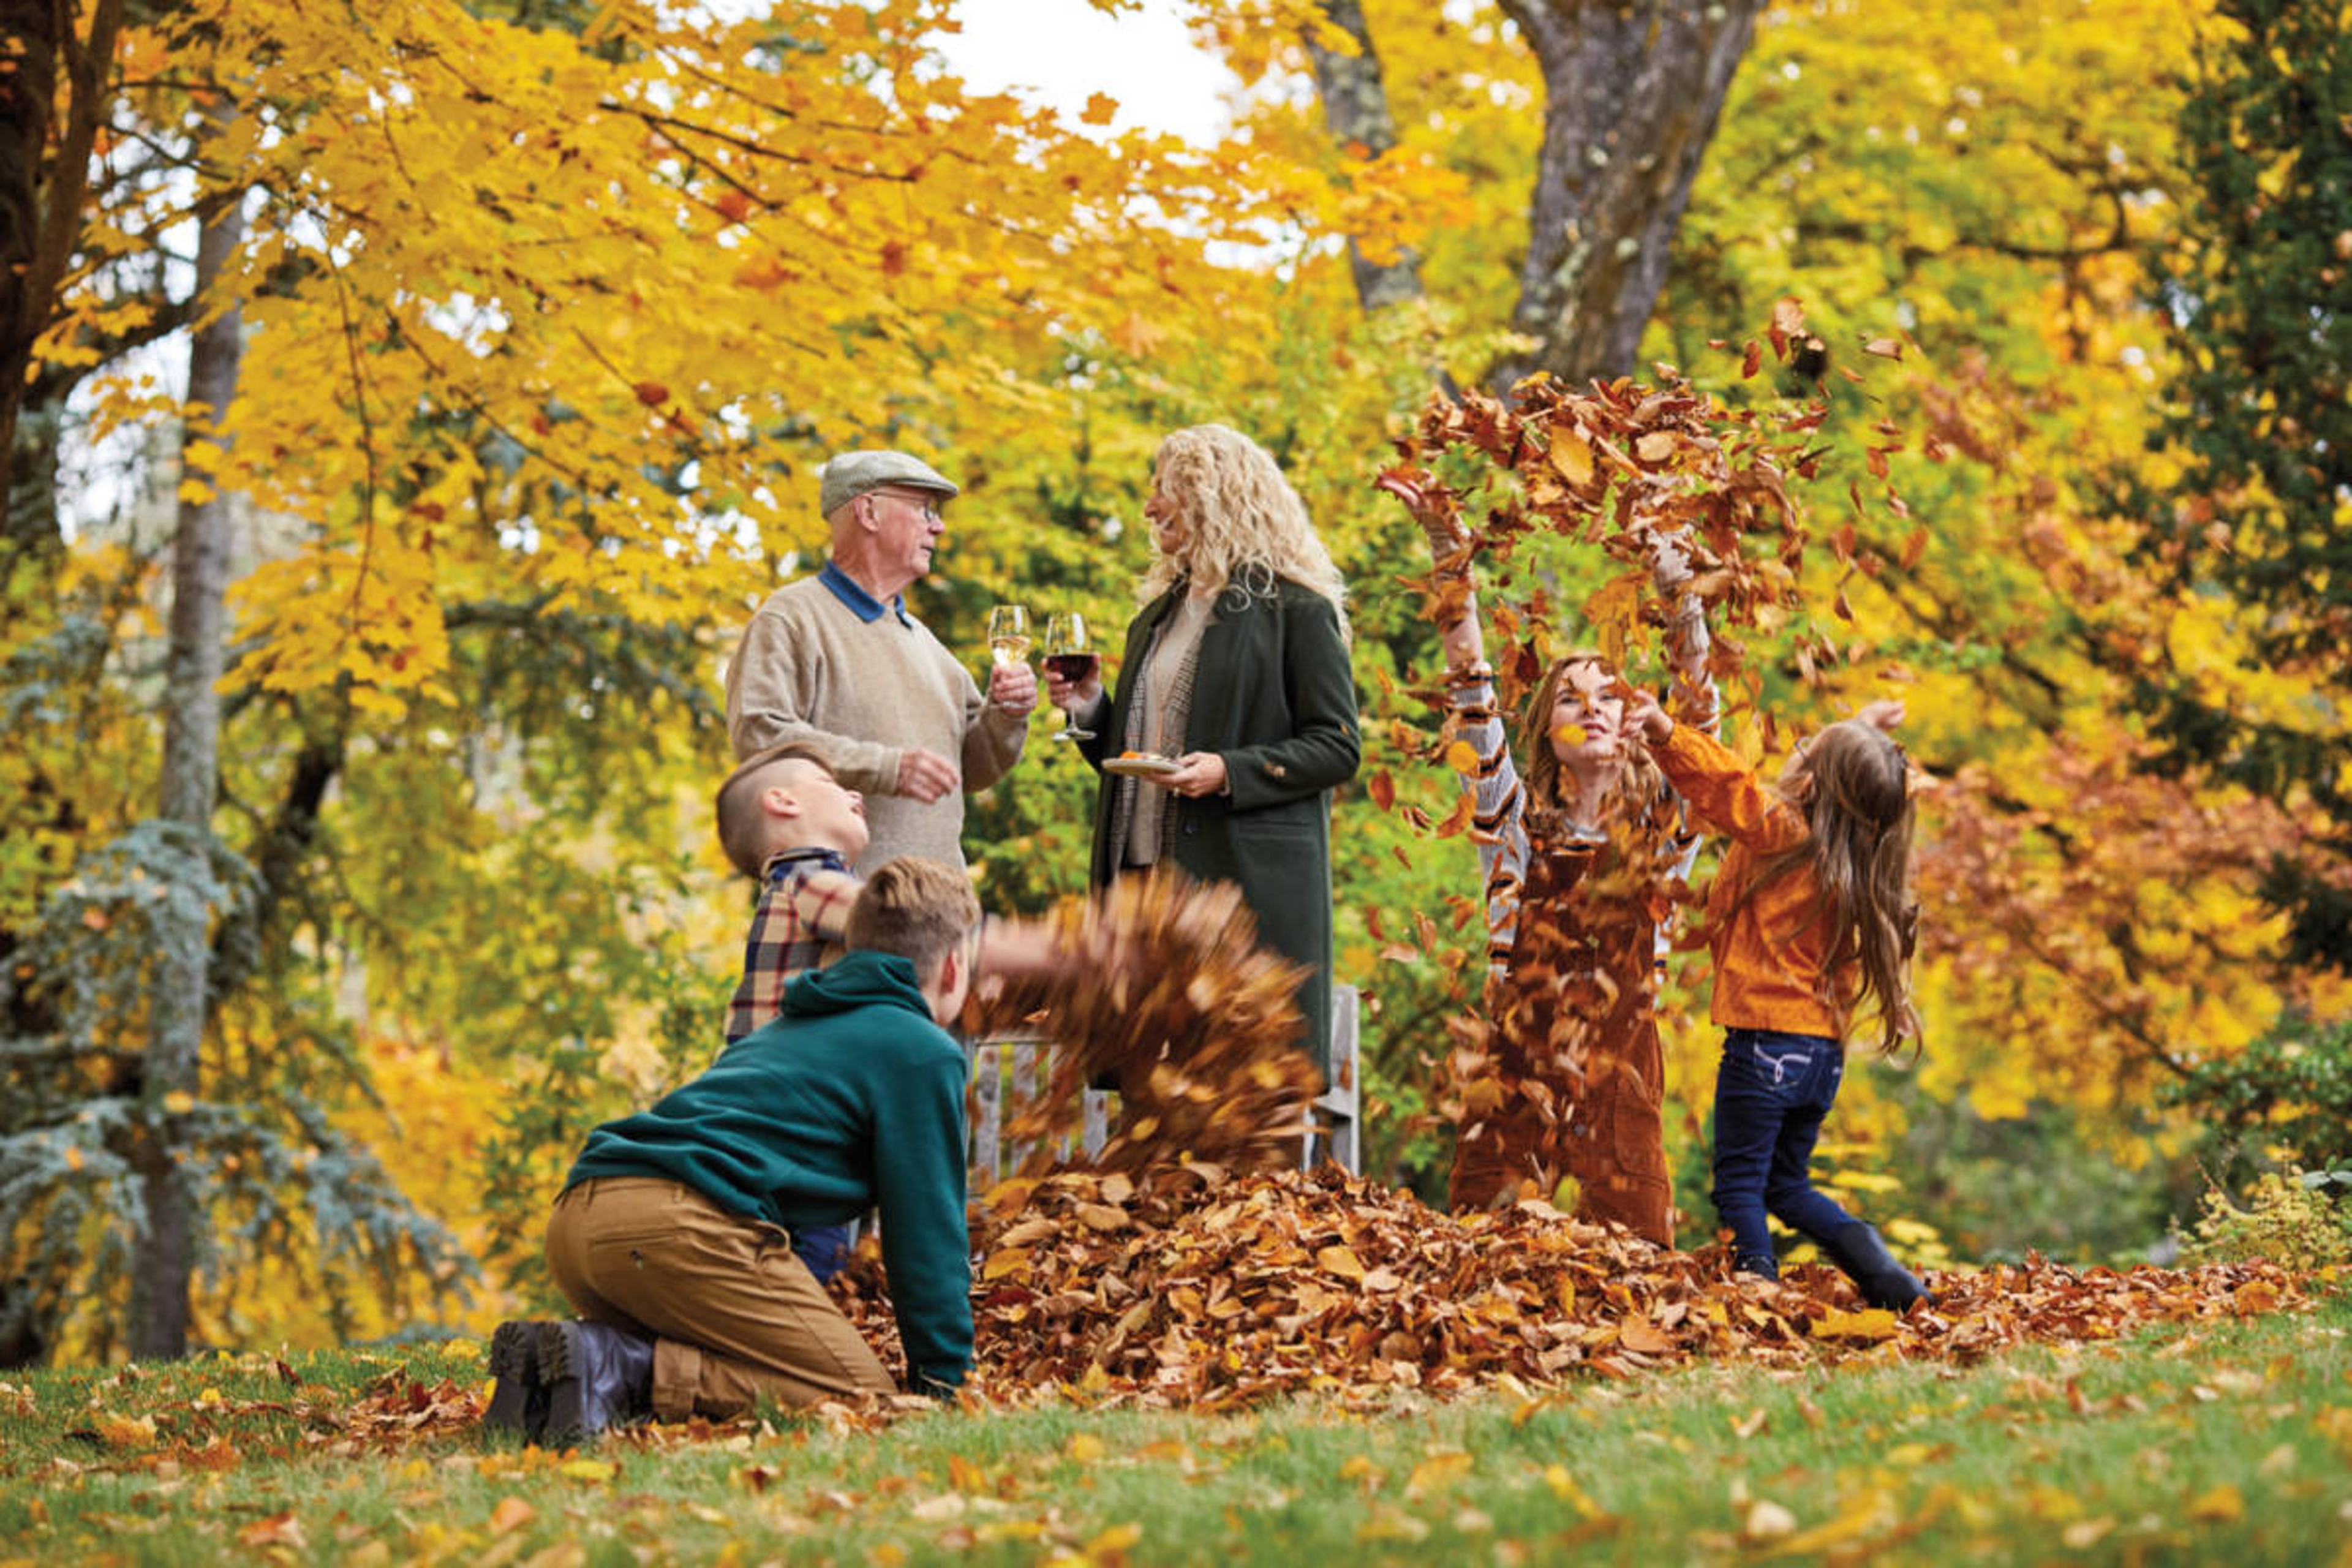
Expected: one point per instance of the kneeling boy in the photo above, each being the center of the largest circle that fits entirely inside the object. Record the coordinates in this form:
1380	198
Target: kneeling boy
672	1238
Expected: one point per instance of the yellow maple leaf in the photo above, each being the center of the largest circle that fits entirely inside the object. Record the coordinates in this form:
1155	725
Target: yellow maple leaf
1871	1323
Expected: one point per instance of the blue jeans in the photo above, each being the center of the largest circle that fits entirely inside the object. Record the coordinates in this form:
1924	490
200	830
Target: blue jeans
823	1247
1770	1094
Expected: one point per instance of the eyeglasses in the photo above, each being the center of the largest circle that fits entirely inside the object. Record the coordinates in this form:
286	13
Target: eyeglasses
921	501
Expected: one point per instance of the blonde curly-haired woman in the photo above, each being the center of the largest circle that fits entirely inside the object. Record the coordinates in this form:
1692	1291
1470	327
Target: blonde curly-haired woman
1236	671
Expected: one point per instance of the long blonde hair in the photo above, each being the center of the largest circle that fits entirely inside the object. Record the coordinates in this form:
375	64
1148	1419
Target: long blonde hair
1859	817
1244	526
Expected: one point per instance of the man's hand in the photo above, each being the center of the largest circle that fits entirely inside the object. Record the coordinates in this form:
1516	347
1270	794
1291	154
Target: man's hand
1197	773
1644	719
926	776
1013	687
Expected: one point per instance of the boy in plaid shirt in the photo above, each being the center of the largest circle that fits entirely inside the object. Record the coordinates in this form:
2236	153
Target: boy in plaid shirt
785	819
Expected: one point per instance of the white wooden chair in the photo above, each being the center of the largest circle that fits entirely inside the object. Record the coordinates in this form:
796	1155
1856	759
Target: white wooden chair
1006	1068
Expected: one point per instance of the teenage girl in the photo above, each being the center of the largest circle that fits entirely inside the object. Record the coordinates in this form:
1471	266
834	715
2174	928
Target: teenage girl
1564	1076
1810	921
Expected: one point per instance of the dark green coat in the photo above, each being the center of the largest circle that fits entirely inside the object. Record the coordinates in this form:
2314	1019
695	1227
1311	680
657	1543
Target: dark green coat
1273	695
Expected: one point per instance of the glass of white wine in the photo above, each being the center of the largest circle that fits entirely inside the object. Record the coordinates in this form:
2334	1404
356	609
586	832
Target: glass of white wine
1008	635
1069	656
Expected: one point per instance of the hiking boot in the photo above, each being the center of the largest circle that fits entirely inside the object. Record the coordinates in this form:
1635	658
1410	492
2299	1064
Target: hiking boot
519	1403
595	1376
1884	1282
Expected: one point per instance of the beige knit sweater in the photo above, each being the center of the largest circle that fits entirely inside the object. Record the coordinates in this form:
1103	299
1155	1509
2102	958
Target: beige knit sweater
865	693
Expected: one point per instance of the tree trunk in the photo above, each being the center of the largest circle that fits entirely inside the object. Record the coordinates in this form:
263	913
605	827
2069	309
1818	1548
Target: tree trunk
1632	93
1356	112
41	192
32	544
29	40
200	557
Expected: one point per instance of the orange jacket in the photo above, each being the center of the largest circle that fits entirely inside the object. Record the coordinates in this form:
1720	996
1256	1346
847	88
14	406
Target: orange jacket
1769	959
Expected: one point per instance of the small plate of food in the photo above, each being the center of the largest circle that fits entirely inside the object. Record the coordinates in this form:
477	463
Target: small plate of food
1139	764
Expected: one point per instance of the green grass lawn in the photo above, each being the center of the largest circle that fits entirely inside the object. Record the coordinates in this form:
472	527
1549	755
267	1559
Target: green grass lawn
2227	1443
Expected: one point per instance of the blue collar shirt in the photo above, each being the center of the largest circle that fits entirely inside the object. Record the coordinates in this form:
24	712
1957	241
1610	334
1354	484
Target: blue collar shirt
862	604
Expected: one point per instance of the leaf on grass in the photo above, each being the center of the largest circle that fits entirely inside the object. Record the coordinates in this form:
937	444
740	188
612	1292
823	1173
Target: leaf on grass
126	1431
278	1530
2223	1505
1111	1542
2084	1534
1439	1470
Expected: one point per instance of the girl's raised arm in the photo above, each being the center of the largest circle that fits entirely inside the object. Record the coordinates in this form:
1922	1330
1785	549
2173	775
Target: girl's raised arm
1688	643
1498	800
1464	643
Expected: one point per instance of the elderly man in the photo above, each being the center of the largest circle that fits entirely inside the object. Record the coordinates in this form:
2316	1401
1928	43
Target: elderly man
835	661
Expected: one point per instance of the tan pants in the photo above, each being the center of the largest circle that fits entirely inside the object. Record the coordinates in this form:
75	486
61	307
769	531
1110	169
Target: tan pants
732	1313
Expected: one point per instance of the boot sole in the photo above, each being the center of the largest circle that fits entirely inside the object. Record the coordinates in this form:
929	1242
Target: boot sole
560	1364
517	1403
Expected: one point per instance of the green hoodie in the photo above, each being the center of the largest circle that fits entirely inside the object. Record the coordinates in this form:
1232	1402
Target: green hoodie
852	1099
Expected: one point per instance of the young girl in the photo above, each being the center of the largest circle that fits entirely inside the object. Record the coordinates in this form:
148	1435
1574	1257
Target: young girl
1810	916
1565	1077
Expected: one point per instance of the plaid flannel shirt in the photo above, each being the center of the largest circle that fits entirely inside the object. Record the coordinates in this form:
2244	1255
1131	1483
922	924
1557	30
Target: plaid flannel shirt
804	899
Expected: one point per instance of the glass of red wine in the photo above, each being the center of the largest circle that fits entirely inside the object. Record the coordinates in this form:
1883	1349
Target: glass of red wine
1068	656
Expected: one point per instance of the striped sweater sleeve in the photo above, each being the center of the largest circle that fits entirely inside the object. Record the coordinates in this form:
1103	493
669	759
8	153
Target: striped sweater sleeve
1498	807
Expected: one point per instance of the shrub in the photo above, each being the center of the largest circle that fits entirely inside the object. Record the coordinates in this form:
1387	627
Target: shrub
2285	1100
2294	1219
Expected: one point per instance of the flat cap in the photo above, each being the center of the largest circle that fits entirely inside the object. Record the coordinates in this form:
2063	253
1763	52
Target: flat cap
849	475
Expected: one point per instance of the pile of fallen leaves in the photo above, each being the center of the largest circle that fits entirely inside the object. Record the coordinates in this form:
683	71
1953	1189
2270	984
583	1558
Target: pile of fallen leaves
1177	1006
1197	1288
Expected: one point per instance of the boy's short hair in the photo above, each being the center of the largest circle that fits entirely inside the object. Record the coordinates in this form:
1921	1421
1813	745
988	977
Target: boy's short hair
742	826
920	909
